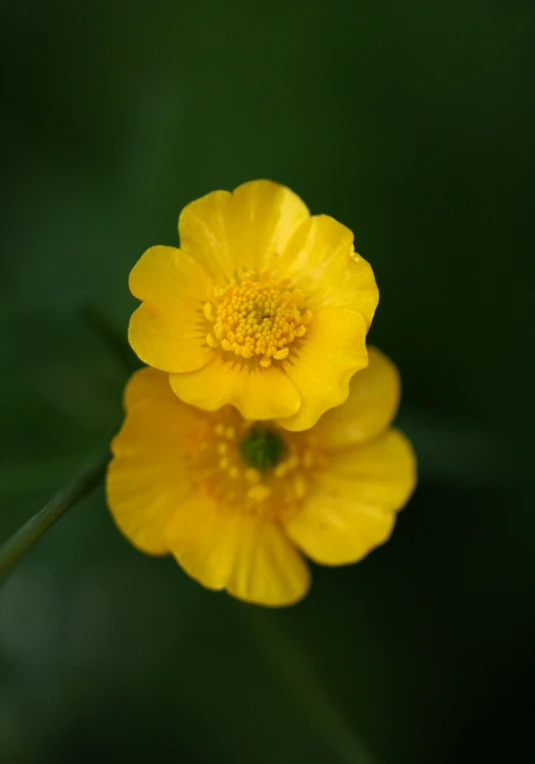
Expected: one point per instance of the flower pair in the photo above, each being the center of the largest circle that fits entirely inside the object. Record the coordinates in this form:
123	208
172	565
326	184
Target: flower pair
260	429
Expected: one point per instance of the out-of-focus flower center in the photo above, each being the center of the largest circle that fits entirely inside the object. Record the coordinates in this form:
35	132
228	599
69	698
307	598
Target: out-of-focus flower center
261	448
261	469
256	318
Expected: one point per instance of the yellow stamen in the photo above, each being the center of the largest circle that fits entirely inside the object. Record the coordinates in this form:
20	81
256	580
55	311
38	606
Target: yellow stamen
282	469
257	316
308	458
210	340
259	493
252	475
280	354
300	487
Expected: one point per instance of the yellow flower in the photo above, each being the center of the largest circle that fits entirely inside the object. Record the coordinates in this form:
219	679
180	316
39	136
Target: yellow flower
263	306
236	502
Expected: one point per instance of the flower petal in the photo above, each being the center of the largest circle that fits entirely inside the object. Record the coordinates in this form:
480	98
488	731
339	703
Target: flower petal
321	260
352	507
168	330
268	569
258	393
148	385
202	228
333	349
223	548
165	276
146	481
159	427
142	497
203	536
247	229
265	215
172	344
370	408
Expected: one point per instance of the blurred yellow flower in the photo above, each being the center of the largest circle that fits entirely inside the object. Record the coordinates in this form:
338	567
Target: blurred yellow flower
263	306
236	502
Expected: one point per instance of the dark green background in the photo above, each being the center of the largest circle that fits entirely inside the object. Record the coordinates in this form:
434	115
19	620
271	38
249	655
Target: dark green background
412	124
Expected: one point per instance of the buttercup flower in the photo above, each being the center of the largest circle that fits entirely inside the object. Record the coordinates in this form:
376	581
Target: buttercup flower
263	306
237	502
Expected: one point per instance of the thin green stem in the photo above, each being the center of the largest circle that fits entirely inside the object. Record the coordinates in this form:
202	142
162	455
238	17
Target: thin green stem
14	549
309	692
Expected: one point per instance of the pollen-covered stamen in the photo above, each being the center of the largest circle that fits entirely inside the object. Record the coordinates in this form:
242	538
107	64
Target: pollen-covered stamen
257	318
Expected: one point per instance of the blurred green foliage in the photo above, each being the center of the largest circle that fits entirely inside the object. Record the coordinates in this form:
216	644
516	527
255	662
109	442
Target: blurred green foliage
411	123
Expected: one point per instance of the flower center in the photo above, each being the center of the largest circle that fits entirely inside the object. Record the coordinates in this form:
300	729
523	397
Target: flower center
256	317
261	448
255	466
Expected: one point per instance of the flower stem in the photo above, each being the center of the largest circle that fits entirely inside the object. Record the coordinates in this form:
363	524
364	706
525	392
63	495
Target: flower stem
310	694
14	549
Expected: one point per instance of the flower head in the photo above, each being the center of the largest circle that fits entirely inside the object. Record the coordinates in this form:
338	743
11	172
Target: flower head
263	306
238	502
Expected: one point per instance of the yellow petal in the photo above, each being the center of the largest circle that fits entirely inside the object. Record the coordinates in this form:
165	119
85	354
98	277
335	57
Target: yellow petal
268	569
370	408
142	497
222	547
168	331
258	393
352	506
146	479
321	260
265	215
381	471
203	536
165	276
172	344
202	228
148	385
245	230
158	425
332	351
